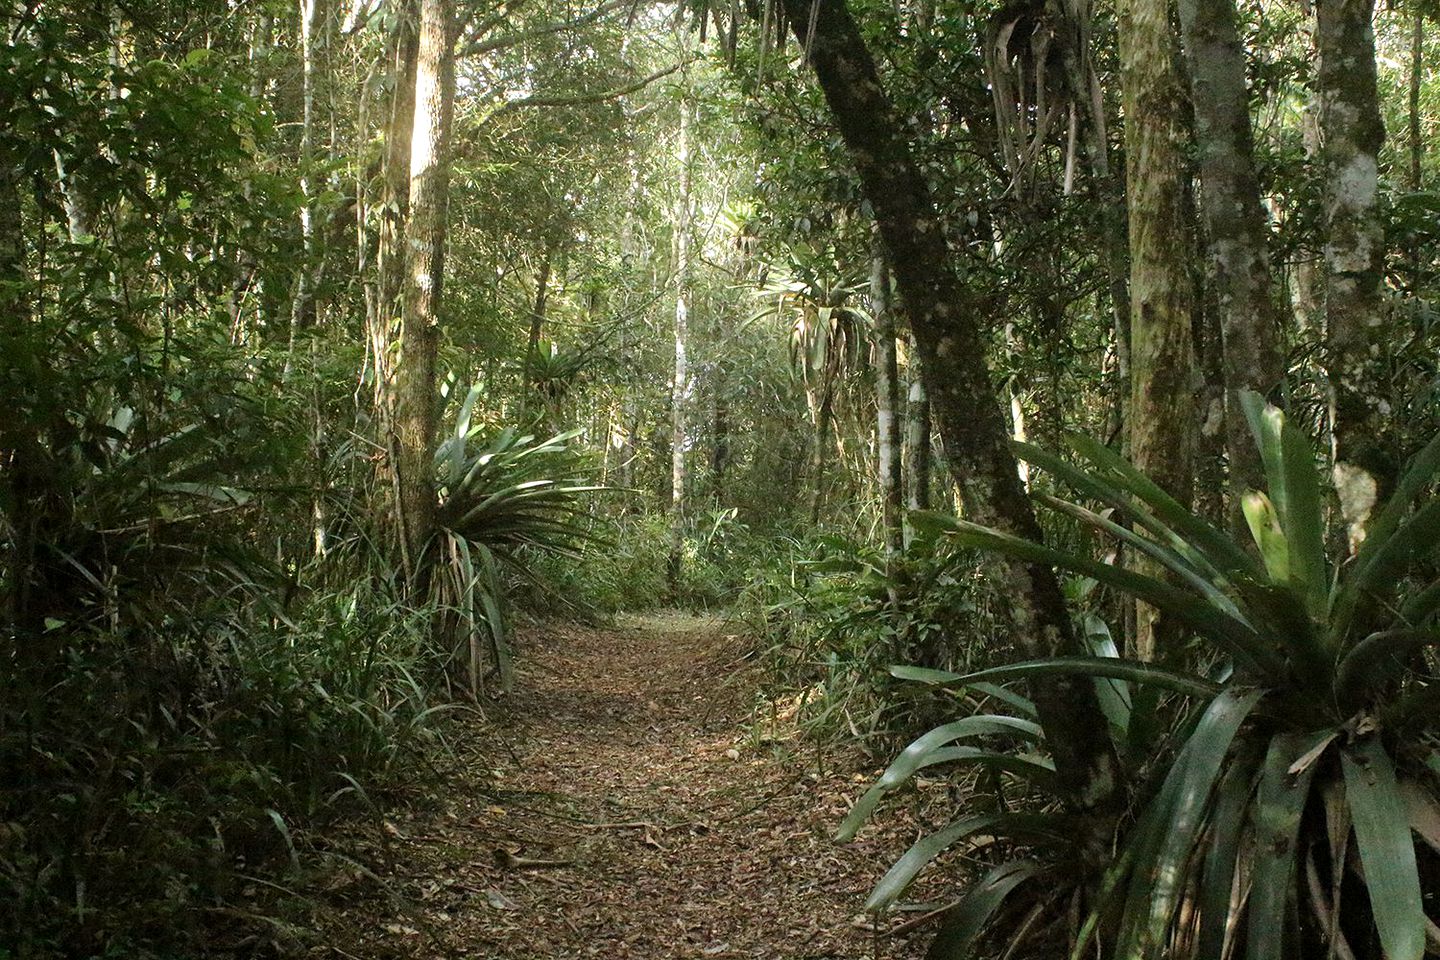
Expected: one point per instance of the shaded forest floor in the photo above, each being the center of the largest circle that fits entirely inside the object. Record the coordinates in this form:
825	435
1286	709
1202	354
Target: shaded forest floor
663	824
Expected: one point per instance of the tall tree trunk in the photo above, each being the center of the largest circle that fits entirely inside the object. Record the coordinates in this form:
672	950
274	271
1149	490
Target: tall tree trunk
425	235
680	387
1162	362
887	407
1235	225
952	354
1417	74
1351	136
395	205
302	314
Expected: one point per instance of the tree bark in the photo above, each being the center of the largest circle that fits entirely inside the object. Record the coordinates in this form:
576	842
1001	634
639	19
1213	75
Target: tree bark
1162	362
680	386
887	404
1351	136
425	237
917	436
1417	74
957	380
1235	225
395	205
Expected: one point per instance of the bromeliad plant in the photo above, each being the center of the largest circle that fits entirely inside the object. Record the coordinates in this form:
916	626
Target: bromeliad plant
1301	761
499	496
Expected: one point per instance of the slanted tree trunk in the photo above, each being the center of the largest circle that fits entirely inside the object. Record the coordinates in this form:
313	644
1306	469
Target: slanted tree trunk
537	329
1235	226
952	356
1351	136
680	387
1162	365
887	405
425	236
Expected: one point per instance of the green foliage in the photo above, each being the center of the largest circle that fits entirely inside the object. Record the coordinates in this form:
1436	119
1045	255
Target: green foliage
1302	749
502	500
832	615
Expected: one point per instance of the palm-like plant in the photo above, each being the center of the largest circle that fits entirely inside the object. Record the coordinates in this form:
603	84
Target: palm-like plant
1281	815
499	496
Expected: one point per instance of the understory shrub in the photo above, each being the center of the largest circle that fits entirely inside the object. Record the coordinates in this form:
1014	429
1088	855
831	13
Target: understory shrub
1280	769
167	763
833	615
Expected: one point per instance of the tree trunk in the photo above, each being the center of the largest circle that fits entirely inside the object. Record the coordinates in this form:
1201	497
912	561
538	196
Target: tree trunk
1351	136
1235	225
537	329
395	205
680	387
887	405
917	436
1417	74
425	235
952	355
1161	354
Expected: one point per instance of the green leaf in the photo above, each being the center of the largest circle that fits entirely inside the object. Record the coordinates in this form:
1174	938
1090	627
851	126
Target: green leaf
1382	835
1234	634
1200	535
1264	520
941	678
1279	805
1304	523
1377	658
1119	669
1198	769
922	752
1217	879
904	870
963	925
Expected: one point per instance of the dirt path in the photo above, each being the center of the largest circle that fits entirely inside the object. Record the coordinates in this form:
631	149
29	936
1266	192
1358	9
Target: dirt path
625	759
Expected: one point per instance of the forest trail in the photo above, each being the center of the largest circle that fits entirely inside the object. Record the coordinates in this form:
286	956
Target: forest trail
626	759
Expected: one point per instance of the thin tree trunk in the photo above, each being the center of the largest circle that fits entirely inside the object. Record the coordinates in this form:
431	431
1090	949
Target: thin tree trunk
1351	136
1417	74
1235	225
680	388
918	456
425	233
887	404
952	355
1162	364
537	329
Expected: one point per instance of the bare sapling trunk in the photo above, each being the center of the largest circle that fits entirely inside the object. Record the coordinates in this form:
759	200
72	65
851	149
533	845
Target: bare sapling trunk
917	434
965	406
1351	135
887	408
680	385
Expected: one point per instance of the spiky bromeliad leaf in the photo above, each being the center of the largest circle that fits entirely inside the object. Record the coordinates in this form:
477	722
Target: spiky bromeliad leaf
926	849
1234	634
1276	812
923	752
968	919
1387	852
1197	771
1111	667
